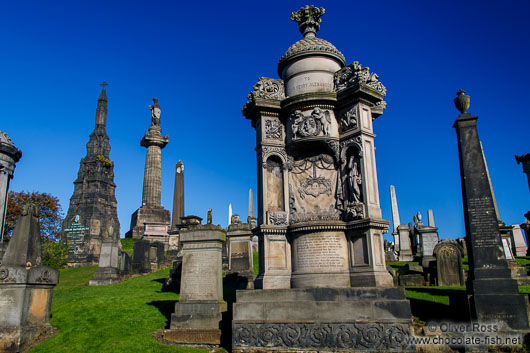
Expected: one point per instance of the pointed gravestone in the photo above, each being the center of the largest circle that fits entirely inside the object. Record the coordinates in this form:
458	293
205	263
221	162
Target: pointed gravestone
25	286
494	294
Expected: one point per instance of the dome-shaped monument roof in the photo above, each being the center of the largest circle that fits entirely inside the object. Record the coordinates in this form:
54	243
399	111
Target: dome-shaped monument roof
308	19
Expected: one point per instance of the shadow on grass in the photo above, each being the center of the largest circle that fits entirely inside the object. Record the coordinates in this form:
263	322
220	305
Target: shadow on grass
166	307
426	310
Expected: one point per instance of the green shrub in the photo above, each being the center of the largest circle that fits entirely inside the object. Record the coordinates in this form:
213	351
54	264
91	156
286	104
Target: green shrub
54	254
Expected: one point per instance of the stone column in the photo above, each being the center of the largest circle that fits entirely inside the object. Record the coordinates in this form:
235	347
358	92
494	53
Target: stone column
153	167
9	155
494	295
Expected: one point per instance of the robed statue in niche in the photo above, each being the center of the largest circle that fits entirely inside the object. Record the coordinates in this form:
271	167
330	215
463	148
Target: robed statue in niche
353	181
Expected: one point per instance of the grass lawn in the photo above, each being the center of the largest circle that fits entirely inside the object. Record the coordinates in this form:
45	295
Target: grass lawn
128	244
115	318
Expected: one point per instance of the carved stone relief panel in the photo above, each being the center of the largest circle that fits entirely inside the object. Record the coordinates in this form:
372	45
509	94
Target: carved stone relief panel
349	119
275	198
317	122
352	181
273	129
313	189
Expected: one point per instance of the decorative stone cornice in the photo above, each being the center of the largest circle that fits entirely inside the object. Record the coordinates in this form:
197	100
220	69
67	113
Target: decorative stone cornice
354	75
311	46
380	224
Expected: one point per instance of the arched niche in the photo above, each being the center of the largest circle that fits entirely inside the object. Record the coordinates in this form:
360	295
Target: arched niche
275	184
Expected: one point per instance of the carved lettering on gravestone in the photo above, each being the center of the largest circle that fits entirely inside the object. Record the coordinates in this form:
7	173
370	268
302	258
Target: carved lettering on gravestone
75	235
482	223
320	251
314	124
273	129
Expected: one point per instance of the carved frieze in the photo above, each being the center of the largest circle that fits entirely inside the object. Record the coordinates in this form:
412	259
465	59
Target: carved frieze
277	218
356	75
317	123
343	336
273	129
267	151
267	88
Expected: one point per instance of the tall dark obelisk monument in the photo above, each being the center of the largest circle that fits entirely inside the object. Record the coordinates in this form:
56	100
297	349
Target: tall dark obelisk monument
92	215
151	220
494	295
178	196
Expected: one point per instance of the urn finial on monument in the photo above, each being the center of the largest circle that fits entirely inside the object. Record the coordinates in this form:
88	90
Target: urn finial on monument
462	101
308	19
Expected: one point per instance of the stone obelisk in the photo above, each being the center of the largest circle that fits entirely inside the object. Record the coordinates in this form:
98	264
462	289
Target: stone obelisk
178	196
92	215
251	220
9	156
151	220
395	216
495	296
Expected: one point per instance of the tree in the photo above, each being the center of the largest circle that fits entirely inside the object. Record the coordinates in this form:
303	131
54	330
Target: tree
50	213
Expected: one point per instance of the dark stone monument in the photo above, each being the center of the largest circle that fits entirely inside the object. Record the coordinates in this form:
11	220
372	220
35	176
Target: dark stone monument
26	286
92	215
494	295
449	270
322	273
411	275
151	221
148	256
107	271
198	313
125	264
9	156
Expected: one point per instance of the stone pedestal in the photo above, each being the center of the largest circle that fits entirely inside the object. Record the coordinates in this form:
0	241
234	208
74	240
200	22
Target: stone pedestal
107	271
274	258
427	238
495	296
518	243
323	319
25	286
405	248
198	313
240	260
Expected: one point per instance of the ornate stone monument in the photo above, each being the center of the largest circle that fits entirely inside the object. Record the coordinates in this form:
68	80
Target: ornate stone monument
494	296
151	221
9	156
92	215
449	270
25	286
427	237
198	313
319	220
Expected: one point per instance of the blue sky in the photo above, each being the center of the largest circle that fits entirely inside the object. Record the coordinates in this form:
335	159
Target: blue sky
201	59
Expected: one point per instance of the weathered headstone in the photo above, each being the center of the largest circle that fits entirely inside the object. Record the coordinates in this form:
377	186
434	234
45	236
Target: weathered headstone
320	225
198	313
125	264
240	259
148	256
151	221
427	239
92	215
107	271
9	156
449	270
25	286
518	243
405	247
495	296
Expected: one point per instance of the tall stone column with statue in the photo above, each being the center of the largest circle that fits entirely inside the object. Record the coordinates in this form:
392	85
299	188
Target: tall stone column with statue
151	221
320	226
9	156
92	215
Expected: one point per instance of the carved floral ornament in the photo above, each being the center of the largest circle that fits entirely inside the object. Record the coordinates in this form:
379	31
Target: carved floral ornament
273	129
267	151
356	75
267	88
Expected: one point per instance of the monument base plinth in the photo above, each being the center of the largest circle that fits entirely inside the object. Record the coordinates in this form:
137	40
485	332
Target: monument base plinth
338	319
105	276
18	339
196	323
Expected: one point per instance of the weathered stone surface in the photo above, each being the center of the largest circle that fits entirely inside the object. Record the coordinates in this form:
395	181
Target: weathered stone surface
240	252
25	286
321	318
198	313
178	196
125	264
405	248
495	295
148	256
9	156
518	243
92	215
107	271
449	270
